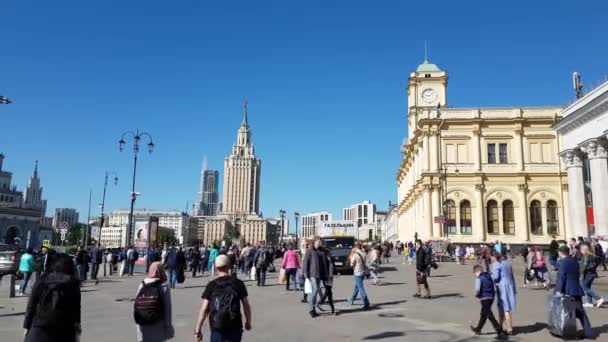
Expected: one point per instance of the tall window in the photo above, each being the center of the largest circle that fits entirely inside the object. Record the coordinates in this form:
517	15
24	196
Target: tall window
451	216
492	217
502	153
491	153
508	217
552	219
536	219
465	217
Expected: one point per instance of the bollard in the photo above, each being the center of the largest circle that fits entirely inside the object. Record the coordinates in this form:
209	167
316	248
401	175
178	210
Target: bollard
104	269
11	286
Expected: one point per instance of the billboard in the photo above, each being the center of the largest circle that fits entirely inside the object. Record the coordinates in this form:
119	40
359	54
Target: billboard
140	240
339	228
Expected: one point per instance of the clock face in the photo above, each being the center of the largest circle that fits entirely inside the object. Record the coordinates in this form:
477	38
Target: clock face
429	95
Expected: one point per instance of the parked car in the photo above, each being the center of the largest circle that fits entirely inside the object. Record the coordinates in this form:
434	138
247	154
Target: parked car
9	259
339	249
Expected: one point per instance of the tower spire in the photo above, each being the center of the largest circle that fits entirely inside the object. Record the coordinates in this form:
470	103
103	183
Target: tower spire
36	169
204	164
426	53
245	104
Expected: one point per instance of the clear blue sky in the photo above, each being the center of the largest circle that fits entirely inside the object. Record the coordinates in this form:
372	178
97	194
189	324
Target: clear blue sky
325	82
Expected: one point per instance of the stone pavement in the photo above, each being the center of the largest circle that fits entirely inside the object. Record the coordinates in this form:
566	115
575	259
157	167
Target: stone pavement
279	316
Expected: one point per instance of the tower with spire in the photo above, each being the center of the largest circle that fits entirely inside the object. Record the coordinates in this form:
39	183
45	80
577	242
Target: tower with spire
242	173
33	193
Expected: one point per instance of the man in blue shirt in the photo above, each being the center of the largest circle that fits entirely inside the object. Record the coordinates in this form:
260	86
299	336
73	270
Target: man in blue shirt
568	284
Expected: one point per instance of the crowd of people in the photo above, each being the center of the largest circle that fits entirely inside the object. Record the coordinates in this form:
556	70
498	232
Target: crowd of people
309	270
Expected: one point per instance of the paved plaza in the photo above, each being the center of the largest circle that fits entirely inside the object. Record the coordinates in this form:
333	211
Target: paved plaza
279	316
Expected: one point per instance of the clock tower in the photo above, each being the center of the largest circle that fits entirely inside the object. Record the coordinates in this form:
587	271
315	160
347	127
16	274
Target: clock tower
427	89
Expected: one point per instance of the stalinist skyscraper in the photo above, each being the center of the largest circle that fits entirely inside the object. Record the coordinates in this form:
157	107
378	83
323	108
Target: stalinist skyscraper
242	175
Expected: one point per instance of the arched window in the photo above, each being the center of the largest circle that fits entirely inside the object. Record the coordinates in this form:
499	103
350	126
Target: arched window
451	216
536	218
465	217
508	217
492	217
552	218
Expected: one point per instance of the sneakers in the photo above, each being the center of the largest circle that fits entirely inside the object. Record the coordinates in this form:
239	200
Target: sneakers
599	303
314	314
475	331
588	305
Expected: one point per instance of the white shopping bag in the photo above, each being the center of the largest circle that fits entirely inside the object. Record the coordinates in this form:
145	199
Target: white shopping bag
252	275
307	286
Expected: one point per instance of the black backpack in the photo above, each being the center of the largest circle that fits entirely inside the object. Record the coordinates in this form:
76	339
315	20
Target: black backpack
263	258
53	306
225	306
148	306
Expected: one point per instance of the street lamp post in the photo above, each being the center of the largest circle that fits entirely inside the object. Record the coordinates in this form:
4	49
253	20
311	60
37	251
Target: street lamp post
137	137
297	217
282	213
103	203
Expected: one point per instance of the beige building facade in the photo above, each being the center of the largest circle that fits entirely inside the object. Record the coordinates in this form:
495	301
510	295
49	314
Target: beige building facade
478	174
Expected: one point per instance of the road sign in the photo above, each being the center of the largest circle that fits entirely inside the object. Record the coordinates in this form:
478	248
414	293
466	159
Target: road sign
63	236
63	225
46	243
439	219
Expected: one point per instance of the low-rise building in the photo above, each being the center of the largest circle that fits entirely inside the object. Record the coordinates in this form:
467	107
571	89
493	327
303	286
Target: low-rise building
177	220
362	213
65	216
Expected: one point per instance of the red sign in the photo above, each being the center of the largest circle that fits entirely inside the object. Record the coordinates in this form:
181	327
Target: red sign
439	219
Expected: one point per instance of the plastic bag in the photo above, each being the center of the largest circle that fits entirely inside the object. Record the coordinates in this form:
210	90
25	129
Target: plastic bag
562	316
252	274
307	286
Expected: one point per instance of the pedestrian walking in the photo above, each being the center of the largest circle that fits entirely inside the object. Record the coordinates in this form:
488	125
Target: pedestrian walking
81	264
328	283
373	264
132	256
502	275
122	258
360	271
485	291
26	268
314	269
152	308
261	260
195	261
588	267
222	300
109	258
213	253
291	264
176	262
53	309
96	256
423	264
568	284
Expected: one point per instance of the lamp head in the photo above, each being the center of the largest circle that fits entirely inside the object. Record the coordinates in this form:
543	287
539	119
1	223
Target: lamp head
121	144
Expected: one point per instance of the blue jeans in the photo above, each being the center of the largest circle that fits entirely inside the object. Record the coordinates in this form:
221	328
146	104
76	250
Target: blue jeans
586	284
315	283
172	278
226	336
360	289
26	279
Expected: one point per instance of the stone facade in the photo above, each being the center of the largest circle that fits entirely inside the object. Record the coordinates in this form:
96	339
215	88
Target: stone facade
492	173
584	144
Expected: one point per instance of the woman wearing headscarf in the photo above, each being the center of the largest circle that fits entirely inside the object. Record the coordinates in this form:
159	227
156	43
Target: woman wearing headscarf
53	309
161	330
502	274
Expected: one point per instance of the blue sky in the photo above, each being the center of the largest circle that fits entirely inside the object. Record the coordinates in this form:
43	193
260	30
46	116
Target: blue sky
325	82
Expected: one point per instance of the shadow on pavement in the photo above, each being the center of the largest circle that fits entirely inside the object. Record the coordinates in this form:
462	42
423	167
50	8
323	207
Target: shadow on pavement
12	314
193	286
389	284
597	331
529	329
387	334
447	295
441	276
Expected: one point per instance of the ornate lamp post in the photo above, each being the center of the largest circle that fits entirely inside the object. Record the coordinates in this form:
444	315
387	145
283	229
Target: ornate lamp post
137	137
297	217
103	203
282	214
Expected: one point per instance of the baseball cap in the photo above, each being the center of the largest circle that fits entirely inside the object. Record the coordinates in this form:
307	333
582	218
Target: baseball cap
222	261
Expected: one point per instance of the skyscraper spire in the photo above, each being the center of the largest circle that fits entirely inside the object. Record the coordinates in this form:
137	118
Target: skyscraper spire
245	104
204	168
36	169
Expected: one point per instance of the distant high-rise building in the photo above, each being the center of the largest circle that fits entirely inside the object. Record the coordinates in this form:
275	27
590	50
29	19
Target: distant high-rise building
67	215
208	195
33	194
242	175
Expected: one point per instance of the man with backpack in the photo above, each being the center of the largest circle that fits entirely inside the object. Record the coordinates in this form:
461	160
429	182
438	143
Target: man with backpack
152	306
314	269
222	301
261	260
132	256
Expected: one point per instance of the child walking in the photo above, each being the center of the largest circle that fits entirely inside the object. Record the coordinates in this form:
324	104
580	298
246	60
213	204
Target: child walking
485	291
